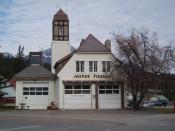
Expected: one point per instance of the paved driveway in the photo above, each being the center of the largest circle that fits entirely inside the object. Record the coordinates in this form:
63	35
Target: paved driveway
85	120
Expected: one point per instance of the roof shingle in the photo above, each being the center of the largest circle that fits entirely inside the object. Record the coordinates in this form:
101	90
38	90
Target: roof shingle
60	15
34	72
91	44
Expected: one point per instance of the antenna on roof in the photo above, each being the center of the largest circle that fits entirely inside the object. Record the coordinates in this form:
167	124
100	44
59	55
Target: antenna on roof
57	4
66	8
60	3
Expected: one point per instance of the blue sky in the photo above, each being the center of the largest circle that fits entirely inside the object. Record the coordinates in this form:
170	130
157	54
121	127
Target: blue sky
29	22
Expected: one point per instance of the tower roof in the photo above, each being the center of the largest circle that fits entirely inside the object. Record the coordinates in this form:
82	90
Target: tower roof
60	15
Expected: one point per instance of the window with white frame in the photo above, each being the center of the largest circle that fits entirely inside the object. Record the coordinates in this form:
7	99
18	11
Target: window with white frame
77	89
108	89
106	66
79	66
93	66
35	90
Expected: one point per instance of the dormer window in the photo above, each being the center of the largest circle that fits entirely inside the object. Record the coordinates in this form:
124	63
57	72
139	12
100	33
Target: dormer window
35	58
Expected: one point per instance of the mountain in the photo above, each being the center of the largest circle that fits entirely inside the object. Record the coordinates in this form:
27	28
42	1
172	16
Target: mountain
7	54
46	55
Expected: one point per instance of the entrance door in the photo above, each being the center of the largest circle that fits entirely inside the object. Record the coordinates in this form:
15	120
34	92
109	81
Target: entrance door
109	97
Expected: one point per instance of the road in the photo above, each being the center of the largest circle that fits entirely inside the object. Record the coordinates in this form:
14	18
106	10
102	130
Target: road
87	120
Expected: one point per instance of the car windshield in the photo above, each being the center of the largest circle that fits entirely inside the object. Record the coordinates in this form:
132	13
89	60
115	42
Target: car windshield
161	97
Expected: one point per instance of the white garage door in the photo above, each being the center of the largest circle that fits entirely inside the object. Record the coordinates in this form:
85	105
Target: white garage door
77	97
35	95
109	97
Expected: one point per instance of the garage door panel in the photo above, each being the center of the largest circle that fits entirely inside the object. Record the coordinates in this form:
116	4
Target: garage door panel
35	95
77	97
109	97
77	102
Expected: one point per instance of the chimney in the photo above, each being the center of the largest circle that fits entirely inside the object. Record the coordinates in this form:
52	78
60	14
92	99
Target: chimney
35	58
82	41
108	44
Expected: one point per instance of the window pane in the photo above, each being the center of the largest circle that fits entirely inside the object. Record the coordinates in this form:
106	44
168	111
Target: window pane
77	91
25	93
108	91
101	91
39	89
45	93
82	66
103	66
86	91
68	92
45	88
115	91
90	66
32	88
108	86
77	87
38	93
115	87
68	87
25	89
35	59
32	93
108	66
101	86
55	30
66	30
77	66
95	66
86	87
60	28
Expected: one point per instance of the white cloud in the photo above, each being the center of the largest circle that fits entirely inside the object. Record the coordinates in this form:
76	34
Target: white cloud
29	22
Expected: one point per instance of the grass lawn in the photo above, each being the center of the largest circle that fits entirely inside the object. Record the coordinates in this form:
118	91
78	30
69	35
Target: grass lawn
161	110
7	108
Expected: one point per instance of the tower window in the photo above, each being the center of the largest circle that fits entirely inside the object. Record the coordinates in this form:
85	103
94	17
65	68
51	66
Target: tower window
61	30
66	30
55	30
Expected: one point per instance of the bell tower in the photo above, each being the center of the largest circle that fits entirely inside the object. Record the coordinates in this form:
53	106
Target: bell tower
60	46
60	27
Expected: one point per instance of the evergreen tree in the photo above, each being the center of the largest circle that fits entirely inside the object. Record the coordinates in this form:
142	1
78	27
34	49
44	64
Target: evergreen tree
19	61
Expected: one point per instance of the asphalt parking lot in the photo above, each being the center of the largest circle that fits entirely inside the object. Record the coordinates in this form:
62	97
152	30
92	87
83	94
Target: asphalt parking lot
85	120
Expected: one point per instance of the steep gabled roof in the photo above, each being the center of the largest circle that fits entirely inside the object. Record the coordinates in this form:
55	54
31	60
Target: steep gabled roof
91	44
60	15
34	72
64	59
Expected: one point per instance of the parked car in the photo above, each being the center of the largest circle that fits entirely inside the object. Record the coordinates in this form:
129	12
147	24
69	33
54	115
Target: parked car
147	104
159	100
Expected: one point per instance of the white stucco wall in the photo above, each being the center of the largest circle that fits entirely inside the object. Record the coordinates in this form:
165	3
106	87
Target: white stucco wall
59	49
69	71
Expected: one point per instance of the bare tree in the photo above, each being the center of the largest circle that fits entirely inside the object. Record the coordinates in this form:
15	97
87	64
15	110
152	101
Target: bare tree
142	59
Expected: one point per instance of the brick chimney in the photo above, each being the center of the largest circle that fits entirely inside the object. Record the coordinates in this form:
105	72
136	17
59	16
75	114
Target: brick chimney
108	44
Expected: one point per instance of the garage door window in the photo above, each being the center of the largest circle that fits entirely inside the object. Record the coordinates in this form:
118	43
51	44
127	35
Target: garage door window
108	89
77	89
35	91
